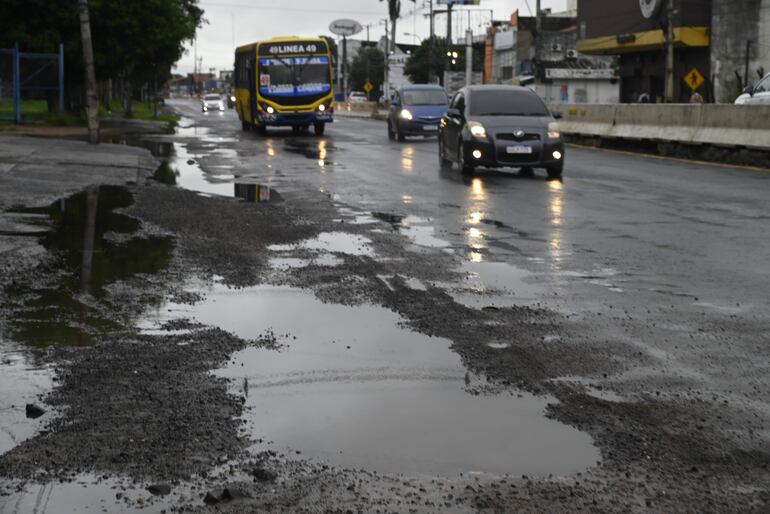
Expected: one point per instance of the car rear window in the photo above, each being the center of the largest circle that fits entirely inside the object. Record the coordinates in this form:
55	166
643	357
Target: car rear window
425	97
212	97
506	103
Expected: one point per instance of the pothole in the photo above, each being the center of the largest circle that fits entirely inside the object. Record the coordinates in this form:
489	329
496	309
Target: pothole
331	242
22	382
352	387
94	247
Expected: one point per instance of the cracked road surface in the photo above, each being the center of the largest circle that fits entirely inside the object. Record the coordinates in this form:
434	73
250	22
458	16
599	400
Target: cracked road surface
293	323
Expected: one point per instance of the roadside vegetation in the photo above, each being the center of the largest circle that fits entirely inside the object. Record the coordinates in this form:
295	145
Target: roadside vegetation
135	45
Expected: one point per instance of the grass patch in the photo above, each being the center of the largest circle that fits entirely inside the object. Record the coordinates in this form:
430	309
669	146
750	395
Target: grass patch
36	111
140	111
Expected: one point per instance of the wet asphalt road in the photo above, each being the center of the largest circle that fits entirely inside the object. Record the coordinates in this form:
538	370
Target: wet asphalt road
667	258
603	337
643	230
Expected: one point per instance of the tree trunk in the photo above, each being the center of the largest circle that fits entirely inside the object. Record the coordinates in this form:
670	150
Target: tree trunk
92	102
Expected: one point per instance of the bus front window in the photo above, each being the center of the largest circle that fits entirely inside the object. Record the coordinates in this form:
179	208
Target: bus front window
289	76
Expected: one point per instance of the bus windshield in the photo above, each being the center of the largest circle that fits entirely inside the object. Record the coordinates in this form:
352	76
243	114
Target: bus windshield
293	76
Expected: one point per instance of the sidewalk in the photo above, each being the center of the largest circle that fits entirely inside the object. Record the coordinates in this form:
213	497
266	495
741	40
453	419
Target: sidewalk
37	171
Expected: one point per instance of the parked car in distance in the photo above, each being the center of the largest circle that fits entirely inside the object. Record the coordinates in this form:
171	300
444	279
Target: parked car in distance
212	103
500	126
756	94
357	97
416	110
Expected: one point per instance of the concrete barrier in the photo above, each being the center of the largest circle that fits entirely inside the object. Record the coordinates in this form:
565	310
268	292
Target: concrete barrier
355	107
721	125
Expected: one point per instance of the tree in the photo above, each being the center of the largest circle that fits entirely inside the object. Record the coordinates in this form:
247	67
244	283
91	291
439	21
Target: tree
134	42
92	102
427	60
368	64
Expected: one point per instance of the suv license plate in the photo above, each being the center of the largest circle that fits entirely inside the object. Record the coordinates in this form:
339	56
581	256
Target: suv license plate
519	149
429	127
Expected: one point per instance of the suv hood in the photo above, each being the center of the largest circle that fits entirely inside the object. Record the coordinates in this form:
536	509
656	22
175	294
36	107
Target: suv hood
427	110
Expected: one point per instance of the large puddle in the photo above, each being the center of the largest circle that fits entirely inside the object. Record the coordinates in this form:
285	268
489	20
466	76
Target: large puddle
94	247
352	387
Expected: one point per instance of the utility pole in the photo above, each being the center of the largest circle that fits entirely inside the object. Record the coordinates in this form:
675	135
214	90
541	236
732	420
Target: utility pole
430	44
538	38
449	25
468	57
669	92
386	78
345	66
746	70
92	102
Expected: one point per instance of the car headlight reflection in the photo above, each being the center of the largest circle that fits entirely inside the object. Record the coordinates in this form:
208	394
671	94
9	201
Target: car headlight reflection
477	129
406	115
553	130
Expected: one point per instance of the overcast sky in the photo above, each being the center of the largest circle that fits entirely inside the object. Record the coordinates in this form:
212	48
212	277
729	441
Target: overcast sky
237	22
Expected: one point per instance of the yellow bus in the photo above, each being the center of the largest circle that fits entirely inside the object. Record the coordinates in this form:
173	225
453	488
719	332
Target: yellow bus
284	82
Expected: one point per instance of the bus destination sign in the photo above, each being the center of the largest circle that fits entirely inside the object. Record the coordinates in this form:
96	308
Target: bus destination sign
293	48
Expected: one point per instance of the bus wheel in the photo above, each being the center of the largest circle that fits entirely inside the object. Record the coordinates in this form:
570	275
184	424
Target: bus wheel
262	130
319	128
246	126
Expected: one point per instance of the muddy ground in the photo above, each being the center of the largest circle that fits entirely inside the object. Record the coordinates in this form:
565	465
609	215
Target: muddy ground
145	406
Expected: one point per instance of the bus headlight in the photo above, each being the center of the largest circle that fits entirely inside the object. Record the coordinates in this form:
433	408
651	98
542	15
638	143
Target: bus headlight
477	129
553	130
322	107
269	109
406	115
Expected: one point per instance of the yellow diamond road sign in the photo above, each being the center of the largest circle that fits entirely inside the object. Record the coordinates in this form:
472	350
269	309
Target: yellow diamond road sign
368	87
694	79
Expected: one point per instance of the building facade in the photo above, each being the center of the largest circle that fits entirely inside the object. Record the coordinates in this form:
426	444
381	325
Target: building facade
548	62
719	45
740	36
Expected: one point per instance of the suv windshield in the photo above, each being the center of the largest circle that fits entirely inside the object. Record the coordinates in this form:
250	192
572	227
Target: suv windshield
211	97
425	97
506	103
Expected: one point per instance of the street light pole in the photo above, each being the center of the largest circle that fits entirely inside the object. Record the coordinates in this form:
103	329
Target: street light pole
669	92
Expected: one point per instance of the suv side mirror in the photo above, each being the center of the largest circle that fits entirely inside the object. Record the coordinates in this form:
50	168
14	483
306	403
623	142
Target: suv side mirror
749	90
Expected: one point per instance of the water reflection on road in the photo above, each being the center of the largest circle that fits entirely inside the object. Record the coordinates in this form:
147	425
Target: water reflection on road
352	387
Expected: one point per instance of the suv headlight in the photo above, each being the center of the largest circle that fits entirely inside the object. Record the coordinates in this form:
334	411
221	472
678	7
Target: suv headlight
406	114
553	130
477	129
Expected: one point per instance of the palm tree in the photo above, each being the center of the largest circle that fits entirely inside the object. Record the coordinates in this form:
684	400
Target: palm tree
394	11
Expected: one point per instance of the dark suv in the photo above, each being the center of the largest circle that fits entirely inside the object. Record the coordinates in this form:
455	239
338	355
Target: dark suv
500	126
